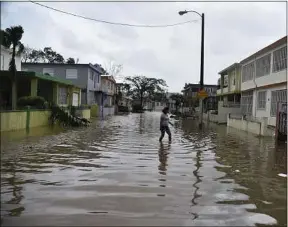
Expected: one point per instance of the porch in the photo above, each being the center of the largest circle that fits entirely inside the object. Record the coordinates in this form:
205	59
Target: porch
52	89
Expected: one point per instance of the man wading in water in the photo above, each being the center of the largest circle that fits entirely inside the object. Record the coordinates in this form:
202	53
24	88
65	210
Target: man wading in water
164	124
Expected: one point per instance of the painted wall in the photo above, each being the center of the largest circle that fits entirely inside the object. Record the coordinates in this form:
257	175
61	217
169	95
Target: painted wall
6	57
224	111
11	121
19	120
258	128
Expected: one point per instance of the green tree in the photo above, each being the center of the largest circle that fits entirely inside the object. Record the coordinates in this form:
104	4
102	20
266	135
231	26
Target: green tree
70	61
142	87
178	98
52	56
11	38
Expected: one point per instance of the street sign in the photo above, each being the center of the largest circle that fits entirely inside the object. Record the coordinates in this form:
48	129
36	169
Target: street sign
202	94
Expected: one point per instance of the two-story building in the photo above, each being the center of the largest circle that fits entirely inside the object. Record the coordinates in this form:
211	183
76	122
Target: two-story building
85	76
108	88
264	81
230	85
190	93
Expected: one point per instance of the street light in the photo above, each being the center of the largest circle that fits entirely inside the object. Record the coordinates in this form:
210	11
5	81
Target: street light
202	60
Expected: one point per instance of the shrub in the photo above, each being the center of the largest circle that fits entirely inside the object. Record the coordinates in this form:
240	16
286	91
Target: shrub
33	101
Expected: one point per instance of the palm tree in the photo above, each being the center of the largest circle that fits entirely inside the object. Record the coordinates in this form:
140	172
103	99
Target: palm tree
11	39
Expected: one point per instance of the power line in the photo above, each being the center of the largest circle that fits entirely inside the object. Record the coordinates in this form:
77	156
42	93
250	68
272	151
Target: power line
113	23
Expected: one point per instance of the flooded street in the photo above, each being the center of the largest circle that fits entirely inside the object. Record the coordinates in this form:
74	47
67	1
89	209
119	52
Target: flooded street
117	173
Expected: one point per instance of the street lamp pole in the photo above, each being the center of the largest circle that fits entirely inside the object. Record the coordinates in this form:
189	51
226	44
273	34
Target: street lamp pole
202	61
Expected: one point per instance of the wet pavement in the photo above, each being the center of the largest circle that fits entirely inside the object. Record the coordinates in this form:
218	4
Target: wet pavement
117	173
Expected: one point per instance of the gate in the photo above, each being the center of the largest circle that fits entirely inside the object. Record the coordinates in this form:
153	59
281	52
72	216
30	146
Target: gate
281	121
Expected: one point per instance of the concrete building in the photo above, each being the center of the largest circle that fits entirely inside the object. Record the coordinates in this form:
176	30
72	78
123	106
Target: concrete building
85	76
230	86
264	81
190	92
108	88
6	58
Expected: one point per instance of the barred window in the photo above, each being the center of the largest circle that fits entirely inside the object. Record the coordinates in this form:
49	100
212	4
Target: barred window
280	59
261	100
277	96
63	94
263	65
247	102
248	72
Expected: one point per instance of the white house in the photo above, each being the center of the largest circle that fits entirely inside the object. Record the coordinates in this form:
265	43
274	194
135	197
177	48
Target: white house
264	81
6	55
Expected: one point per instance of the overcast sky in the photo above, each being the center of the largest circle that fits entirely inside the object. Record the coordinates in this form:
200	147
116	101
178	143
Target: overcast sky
233	31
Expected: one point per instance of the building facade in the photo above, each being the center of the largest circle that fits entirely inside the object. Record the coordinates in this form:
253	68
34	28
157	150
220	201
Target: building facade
6	55
230	85
264	81
85	76
190	93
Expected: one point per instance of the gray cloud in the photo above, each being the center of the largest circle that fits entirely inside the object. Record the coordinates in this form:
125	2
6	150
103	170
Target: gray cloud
232	31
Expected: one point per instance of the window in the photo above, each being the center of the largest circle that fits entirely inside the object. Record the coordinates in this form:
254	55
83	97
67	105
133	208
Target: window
62	98
261	100
263	65
280	59
247	102
71	74
277	96
48	71
2	62
248	72
91	75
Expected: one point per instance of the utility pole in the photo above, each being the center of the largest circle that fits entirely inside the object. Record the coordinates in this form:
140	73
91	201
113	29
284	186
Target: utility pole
202	71
202	61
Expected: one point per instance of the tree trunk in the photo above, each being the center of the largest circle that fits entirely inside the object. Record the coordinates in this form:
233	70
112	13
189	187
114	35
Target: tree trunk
14	80
14	94
141	100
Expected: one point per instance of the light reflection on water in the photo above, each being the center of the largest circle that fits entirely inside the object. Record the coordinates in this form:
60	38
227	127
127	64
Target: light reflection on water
116	173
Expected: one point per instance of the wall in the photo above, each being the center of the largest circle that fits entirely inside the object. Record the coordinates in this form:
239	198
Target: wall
224	111
266	113
60	71
86	113
94	110
11	121
5	60
91	85
255	127
19	120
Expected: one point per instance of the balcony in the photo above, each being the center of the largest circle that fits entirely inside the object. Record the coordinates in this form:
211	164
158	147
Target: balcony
219	91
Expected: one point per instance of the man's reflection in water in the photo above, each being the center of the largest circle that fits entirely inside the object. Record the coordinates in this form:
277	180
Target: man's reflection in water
163	153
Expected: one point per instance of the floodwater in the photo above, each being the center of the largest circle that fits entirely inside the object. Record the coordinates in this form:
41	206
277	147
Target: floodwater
117	173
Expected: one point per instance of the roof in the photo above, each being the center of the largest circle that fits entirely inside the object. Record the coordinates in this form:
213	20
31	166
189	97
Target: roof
233	66
65	64
42	77
198	86
268	48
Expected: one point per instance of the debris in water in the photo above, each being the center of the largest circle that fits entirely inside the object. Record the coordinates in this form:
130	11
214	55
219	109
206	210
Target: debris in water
282	175
266	202
237	171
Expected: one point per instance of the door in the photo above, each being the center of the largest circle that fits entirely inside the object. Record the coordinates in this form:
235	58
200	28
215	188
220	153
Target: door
75	101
